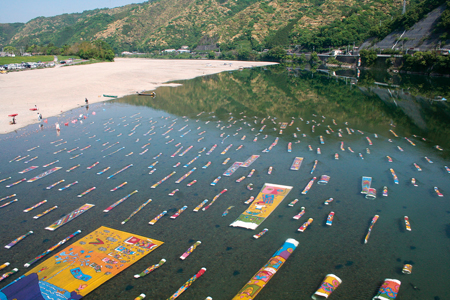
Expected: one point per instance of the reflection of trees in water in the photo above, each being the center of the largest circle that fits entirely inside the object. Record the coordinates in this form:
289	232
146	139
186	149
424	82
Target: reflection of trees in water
278	93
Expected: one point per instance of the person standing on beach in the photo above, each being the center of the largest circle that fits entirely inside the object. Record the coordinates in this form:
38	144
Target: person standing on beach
40	117
86	101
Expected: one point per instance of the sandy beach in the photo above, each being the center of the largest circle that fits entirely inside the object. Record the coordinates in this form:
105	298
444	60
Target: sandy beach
59	89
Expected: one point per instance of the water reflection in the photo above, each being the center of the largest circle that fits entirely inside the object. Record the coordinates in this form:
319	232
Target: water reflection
374	100
246	108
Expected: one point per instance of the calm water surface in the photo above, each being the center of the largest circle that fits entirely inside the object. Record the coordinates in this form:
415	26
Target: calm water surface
227	107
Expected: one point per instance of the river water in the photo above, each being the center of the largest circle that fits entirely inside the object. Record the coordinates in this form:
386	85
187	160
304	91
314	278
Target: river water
222	109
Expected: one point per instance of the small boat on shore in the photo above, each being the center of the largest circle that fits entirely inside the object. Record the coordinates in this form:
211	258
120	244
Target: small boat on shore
110	96
152	94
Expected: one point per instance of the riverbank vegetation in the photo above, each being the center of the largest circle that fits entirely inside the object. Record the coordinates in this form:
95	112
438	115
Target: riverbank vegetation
423	62
98	50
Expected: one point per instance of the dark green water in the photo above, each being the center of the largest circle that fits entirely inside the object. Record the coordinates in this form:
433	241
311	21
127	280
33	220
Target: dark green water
231	255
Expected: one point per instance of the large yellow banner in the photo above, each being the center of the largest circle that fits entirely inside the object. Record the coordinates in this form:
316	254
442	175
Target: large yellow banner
83	266
265	203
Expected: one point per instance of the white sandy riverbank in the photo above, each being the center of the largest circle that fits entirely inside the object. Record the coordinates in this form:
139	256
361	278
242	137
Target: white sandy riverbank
61	89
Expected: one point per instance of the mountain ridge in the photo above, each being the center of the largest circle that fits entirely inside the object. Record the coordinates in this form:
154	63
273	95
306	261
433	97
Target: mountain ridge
230	24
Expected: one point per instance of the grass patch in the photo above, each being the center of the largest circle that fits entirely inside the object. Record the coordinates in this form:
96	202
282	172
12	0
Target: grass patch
19	59
65	57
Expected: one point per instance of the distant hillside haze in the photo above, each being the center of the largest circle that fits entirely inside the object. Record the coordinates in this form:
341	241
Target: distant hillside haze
242	25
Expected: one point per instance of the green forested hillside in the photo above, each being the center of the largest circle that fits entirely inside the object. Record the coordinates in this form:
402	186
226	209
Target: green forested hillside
230	24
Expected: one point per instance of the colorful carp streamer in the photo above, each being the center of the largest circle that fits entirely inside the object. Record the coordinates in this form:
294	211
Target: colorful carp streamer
114	152
176	152
249	200
187	284
226	149
86	192
103	171
185	151
249	161
227	211
73	168
51	249
28	169
240	179
293	202
407	224
330	218
13	243
308	186
438	192
194	159
119	186
374	220
121	170
162	180
305	225
263	276
257	236
34	206
394	176
17	182
232	169
56	152
296	164
314	167
173	192
67	186
136	211
212	149
7	274
67	218
45	212
93	165
152	222
190	250
33	148
55	184
23	157
150	269
185	175
365	183
214	199
388	290
192	182
4	265
76	156
7	197
323	179
328	201
329	284
177	214
4	179
119	201
215	181
8	203
198	207
31	159
300	214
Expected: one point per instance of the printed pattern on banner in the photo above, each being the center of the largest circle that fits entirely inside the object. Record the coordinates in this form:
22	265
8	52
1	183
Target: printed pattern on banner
265	203
83	266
